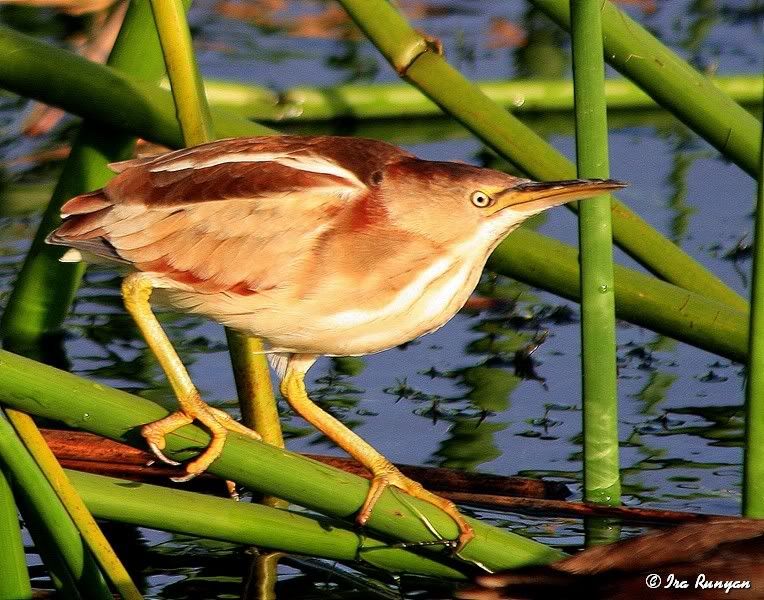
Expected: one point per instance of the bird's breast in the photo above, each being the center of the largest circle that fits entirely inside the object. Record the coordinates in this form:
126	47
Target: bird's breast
427	300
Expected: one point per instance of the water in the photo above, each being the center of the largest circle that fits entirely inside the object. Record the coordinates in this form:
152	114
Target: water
458	397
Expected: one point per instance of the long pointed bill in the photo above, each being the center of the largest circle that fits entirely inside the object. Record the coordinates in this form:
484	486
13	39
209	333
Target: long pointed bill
534	196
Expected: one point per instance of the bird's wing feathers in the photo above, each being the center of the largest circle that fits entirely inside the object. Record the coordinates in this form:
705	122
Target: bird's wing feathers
225	216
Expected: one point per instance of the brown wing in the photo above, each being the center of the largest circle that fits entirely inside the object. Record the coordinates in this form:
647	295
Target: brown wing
232	215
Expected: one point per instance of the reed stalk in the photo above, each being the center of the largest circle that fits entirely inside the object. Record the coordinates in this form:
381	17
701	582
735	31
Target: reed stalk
14	577
89	530
417	60
753	454
45	391
118	101
249	364
364	101
673	84
147	505
599	379
37	496
185	83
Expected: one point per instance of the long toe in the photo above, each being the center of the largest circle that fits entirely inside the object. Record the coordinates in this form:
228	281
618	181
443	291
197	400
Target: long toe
155	432
391	476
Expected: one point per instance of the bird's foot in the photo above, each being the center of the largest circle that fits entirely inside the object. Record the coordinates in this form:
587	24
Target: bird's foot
389	475
217	422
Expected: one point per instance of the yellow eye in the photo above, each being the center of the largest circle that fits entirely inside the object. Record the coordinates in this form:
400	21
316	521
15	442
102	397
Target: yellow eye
481	199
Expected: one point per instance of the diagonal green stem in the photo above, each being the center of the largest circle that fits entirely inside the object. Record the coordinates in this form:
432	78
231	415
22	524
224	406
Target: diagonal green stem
167	509
598	339
14	578
673	84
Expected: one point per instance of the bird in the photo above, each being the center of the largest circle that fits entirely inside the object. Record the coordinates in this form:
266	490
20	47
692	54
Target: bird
318	245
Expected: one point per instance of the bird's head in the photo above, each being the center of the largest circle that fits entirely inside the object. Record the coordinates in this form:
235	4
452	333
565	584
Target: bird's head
450	202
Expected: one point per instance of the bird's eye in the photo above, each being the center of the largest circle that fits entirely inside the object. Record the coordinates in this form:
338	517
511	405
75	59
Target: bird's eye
481	199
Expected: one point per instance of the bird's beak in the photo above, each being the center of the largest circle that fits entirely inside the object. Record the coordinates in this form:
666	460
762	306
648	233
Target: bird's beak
532	197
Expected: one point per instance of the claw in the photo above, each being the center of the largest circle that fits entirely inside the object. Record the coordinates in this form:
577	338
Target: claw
160	455
184	478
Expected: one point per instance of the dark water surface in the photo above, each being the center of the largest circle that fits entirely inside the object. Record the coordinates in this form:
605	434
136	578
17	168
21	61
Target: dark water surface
454	398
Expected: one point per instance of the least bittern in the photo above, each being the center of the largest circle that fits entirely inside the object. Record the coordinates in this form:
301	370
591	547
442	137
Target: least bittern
318	245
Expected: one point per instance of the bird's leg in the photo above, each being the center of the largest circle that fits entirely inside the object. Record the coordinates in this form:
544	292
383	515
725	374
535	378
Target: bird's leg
383	471
136	291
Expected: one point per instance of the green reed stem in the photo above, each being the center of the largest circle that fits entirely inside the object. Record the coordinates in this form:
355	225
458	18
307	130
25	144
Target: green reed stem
89	530
209	517
599	383
179	59
673	84
250	366
416	59
14	577
45	391
45	288
753	460
33	490
400	100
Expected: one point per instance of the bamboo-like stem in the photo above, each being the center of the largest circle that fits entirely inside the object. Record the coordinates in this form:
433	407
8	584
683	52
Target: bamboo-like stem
753	457
401	100
259	409
45	288
415	58
45	391
102	551
599	379
253	381
249	364
167	509
186	84
14	577
119	101
673	84
31	487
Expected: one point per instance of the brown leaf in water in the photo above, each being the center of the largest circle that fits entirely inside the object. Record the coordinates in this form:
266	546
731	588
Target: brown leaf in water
648	7
503	33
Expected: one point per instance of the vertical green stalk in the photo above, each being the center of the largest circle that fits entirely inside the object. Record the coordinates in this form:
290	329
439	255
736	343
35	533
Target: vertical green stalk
14	577
753	461
258	404
86	524
36	495
598	340
249	364
179	59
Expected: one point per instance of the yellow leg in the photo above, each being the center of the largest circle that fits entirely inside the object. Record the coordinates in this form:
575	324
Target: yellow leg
136	291
383	471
